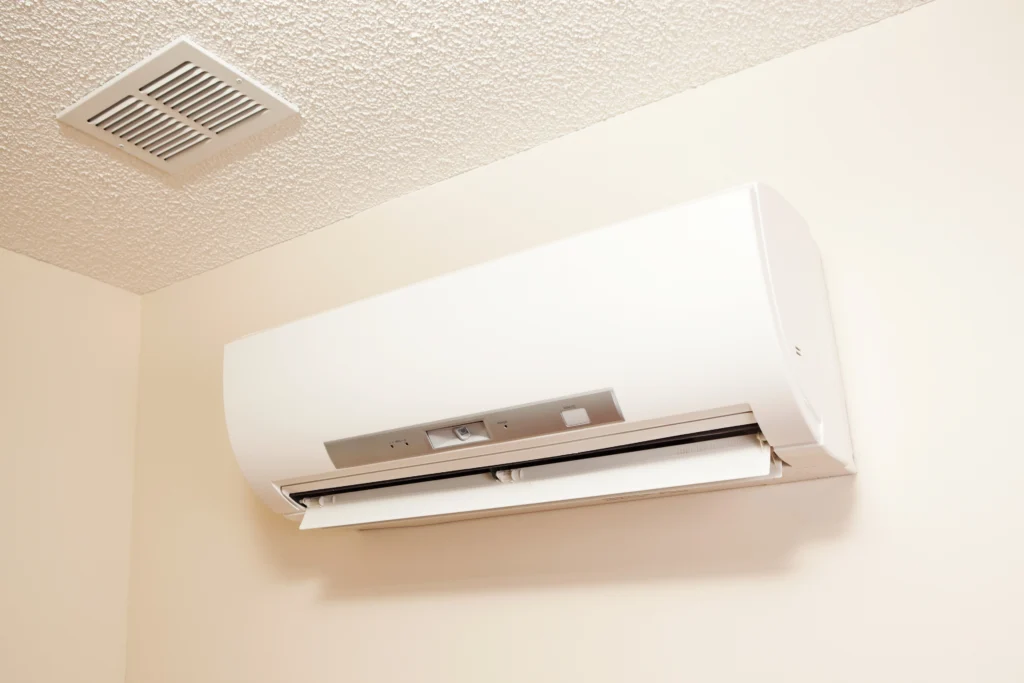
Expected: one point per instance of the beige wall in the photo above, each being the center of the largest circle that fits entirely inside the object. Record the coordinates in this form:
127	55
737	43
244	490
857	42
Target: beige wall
902	145
69	352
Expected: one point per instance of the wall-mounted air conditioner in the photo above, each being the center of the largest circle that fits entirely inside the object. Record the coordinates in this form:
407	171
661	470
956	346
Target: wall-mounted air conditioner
688	349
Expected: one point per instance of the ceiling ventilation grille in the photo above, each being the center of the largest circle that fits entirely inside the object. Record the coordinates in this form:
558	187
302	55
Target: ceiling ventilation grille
178	107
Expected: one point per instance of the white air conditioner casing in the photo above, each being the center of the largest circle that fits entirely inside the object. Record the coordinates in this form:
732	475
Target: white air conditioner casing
688	349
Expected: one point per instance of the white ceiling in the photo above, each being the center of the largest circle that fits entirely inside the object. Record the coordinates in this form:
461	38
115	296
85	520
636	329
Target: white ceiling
394	95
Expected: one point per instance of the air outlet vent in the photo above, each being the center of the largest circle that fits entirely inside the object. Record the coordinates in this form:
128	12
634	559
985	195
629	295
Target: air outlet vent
178	107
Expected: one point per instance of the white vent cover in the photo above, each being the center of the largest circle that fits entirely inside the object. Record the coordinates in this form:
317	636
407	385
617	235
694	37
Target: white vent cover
176	108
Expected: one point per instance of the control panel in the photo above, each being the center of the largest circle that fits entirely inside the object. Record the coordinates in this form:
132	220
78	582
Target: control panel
507	424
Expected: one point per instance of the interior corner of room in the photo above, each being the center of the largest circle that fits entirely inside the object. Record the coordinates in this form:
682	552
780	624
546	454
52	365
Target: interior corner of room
509	279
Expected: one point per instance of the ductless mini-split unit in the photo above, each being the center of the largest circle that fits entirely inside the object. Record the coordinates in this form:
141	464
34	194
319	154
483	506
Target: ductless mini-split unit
686	350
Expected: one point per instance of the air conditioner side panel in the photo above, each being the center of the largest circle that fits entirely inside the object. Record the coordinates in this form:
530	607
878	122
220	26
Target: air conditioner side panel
796	284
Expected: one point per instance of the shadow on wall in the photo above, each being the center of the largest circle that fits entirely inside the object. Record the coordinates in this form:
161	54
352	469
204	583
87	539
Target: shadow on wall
754	531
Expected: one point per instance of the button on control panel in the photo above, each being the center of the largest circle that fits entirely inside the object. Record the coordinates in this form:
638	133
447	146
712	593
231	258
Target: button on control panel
446	437
575	417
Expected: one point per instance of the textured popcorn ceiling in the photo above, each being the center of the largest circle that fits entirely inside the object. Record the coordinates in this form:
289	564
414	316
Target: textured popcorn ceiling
394	95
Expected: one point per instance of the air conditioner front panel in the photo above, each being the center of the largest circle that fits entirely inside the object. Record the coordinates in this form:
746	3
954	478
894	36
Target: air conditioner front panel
672	312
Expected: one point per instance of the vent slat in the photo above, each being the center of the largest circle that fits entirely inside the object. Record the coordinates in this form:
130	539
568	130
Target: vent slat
171	140
140	131
181	74
139	123
196	93
172	133
155	132
233	99
186	141
113	121
183	86
177	142
160	127
173	143
222	106
208	97
238	117
166	78
128	121
211	104
111	110
167	134
226	114
197	141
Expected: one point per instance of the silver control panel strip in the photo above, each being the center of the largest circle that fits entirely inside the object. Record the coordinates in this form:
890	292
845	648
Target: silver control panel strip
506	424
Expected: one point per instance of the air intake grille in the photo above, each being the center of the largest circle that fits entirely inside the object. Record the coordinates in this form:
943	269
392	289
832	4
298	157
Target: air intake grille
177	108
